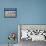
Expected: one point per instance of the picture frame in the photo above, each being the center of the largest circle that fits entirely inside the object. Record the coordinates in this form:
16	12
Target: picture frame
10	12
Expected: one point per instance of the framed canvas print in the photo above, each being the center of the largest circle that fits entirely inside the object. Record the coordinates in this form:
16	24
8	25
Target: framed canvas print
10	12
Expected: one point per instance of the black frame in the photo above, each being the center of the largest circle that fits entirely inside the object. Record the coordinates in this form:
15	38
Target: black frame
10	9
